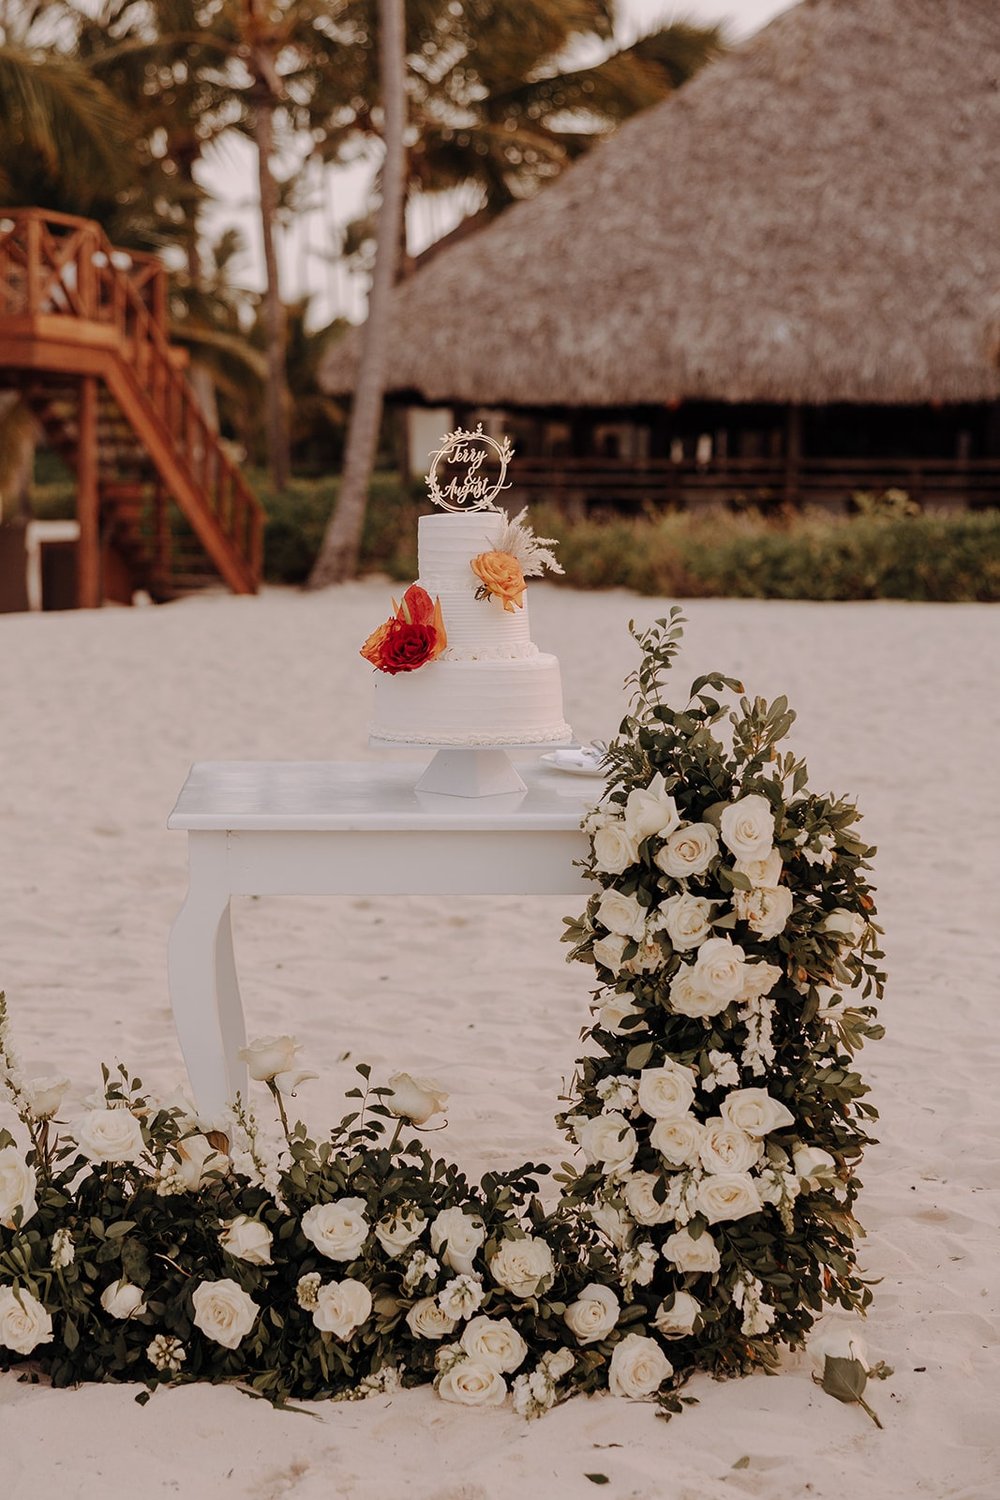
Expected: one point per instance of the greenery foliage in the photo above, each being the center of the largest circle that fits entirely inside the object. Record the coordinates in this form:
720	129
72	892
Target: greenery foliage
138	1242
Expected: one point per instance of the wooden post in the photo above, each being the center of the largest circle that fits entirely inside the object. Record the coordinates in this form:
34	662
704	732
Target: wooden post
88	557
793	455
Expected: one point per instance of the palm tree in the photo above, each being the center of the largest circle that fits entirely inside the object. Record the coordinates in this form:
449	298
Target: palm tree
338	556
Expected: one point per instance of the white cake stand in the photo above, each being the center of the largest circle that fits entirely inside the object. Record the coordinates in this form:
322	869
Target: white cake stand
469	770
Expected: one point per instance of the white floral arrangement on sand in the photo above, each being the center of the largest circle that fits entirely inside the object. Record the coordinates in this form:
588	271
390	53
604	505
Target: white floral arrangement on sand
717	1111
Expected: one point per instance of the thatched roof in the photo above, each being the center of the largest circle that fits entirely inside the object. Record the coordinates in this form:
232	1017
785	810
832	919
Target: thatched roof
814	218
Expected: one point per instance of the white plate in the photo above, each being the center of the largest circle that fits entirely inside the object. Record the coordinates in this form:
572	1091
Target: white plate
591	768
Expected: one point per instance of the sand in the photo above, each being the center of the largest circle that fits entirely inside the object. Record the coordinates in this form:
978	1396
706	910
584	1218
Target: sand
100	715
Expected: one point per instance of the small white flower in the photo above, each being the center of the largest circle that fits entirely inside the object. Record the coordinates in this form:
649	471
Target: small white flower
420	1267
199	1162
637	1265
848	927
724	1072
166	1354
18	1183
836	1340
63	1250
813	1166
307	1290
462	1296
766	909
617	1092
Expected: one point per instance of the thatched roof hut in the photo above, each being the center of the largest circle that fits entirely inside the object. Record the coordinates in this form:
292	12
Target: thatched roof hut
814	219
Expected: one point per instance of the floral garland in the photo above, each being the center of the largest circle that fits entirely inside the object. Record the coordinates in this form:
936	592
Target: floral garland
718	1113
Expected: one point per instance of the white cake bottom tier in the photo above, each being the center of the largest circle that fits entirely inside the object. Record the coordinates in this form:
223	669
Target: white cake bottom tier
473	703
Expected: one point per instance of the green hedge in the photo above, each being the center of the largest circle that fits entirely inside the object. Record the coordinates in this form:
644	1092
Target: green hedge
945	557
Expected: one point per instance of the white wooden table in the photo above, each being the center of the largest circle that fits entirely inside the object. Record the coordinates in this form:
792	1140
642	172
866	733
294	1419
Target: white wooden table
262	828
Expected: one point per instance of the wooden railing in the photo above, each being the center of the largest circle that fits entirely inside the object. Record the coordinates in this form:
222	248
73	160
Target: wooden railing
55	266
585	482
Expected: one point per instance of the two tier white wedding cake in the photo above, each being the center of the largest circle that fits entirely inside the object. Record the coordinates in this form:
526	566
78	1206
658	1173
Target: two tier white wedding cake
456	663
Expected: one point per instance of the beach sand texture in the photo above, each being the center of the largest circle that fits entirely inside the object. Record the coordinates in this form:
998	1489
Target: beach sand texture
100	716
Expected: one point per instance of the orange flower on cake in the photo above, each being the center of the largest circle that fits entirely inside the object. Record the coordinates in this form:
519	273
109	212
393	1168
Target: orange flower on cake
414	635
500	577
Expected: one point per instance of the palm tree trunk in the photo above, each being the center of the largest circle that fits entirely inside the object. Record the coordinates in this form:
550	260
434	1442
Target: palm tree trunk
274	311
338	555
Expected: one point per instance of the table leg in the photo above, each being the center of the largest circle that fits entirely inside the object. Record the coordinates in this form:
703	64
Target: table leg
204	991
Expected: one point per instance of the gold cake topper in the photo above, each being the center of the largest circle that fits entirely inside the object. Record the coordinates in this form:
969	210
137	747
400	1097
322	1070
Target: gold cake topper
469	470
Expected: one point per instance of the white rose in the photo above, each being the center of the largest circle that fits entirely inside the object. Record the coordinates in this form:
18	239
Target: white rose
24	1322
292	1079
666	1093
338	1229
593	1315
494	1341
614	849
472	1382
121	1299
198	1157
678	1141
396	1232
639	1190
728	1196
342	1307
247	1239
686	919
688	851
758	980
613	1223
622	914
748	827
762	872
426	1320
651	810
677	1320
849	927
766	909
754	1111
525	1267
836	1341
456	1236
415	1099
224	1312
638	1367
830	1002
609	951
608	1140
692	1255
726	1148
812	1164
615	1010
267	1055
43	1096
719	969
687	998
18	1183
558	1363
110	1135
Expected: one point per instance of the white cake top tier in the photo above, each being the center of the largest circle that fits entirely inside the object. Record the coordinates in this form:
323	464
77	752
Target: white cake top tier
478	629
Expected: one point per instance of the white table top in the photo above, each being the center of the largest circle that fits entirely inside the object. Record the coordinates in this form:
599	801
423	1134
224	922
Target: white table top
318	795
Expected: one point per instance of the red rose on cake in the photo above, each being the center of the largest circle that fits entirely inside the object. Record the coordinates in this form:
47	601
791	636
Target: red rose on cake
414	635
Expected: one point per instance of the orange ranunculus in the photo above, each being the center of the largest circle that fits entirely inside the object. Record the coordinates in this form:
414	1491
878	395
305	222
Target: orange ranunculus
414	635
501	576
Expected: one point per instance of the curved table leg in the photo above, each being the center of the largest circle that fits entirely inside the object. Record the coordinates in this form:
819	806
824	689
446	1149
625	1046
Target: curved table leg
204	992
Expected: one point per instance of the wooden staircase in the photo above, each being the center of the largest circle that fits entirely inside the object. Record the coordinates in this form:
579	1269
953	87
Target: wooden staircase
83	341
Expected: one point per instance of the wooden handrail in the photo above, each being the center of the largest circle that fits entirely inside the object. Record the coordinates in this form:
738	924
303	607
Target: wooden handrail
59	265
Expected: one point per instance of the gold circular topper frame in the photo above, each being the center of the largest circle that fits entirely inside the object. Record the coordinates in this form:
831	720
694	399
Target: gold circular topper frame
473	490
